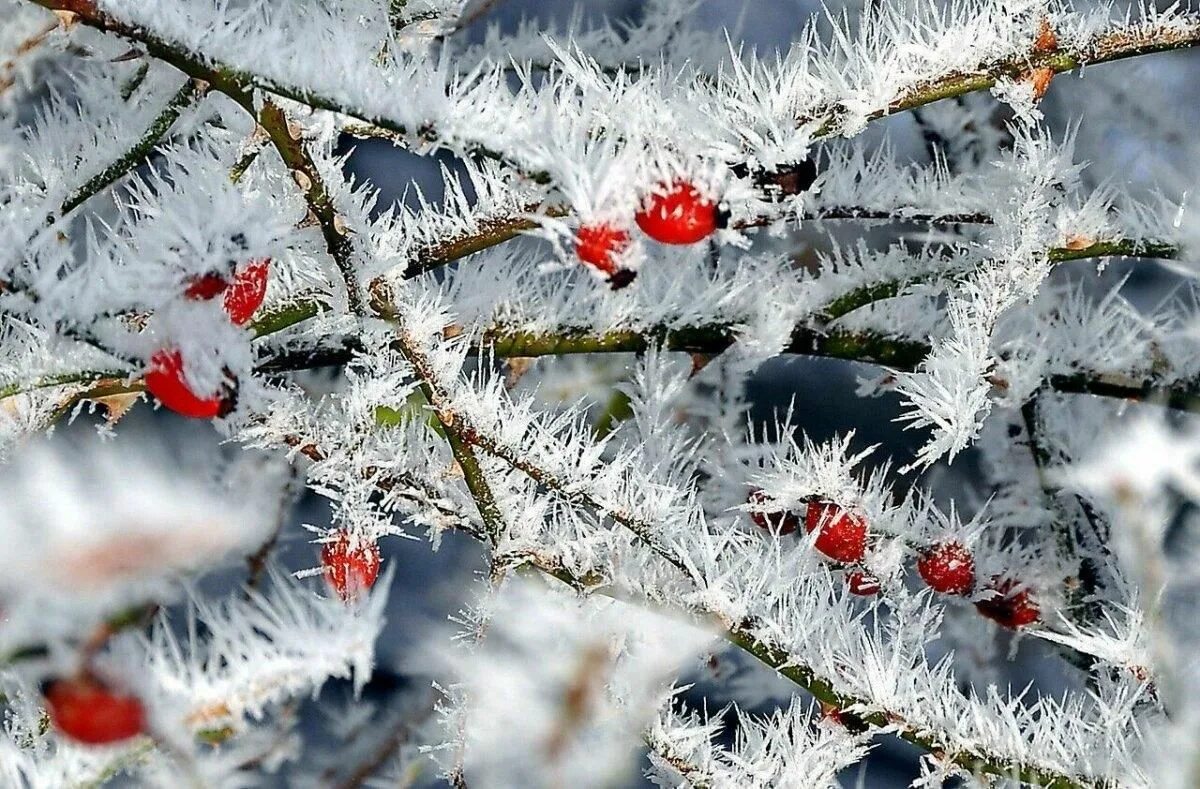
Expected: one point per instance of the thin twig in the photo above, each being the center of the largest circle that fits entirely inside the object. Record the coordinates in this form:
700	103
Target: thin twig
1117	44
191	92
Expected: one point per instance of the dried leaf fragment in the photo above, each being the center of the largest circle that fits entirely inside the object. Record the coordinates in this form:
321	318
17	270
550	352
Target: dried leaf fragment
1046	40
1040	78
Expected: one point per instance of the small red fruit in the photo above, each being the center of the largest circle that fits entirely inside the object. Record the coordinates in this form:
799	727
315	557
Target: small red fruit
351	566
1008	608
245	294
948	567
165	380
842	535
679	215
862	583
88	711
777	522
599	246
205	287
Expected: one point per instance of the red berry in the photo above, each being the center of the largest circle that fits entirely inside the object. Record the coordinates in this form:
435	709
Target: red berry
842	536
351	566
777	521
87	711
205	287
246	292
1008	608
165	380
599	246
679	215
948	567
862	583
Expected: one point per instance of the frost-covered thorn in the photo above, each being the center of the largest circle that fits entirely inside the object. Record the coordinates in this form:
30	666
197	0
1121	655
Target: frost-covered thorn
382	299
302	180
515	368
67	19
310	219
133	53
785	181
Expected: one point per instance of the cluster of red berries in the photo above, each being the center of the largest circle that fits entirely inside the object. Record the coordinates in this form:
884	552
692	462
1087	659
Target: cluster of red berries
89	711
242	297
949	568
946	567
676	213
351	566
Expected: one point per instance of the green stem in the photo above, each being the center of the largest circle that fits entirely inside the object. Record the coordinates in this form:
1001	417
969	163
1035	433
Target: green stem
460	446
290	145
191	92
61	379
477	484
869	294
789	666
709	339
1121	247
284	316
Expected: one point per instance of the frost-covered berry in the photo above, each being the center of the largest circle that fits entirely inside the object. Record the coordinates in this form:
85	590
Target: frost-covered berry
679	214
948	567
205	287
600	246
774	521
842	535
86	710
165	380
862	583
1009	606
245	294
351	566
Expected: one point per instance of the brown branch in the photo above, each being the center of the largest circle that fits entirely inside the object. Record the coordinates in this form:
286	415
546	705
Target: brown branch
1123	42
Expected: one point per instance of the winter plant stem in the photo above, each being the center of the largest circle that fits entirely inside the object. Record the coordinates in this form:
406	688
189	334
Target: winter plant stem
191	92
1118	44
868	294
742	636
290	145
1102	48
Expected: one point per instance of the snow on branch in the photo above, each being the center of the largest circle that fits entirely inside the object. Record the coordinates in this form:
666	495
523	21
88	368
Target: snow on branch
178	227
